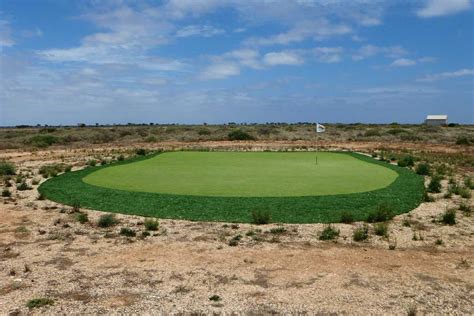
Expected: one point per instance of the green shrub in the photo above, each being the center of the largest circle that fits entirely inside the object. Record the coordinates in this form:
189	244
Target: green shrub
435	184
383	213
449	217
463	140
6	193
92	162
39	302
372	133
465	192
329	233
151	139
381	229
346	217
140	151
120	158
361	233
151	224
6	168
469	183
215	298
239	135
427	197
51	170
82	217
67	168
23	186
107	220
261	217
42	141
204	131
423	169
234	241
125	231
406	161
465	207
278	230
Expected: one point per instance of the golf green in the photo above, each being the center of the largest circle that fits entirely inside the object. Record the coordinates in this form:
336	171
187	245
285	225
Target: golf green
246	174
294	187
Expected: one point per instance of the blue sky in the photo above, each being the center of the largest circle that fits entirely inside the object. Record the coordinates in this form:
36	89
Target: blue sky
215	61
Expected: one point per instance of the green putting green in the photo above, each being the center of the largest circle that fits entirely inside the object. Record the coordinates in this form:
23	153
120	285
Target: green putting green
246	174
229	186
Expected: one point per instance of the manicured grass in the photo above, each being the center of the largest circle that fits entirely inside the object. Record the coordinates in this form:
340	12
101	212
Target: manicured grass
402	193
246	174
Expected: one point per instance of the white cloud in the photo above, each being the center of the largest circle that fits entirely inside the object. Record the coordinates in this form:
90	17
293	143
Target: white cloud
220	70
6	39
314	29
447	75
282	58
403	62
199	30
328	54
434	8
372	50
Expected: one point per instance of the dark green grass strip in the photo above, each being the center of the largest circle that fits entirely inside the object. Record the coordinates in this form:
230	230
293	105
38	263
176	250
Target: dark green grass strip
403	195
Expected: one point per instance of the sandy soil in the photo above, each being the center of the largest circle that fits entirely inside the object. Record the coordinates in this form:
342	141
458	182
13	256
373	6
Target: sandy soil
45	252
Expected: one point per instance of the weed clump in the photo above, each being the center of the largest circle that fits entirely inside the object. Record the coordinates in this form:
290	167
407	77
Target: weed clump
39	302
361	233
140	151
23	186
423	169
381	229
125	231
382	214
435	184
463	140
278	230
239	134
261	217
329	233
6	168
6	193
82	217
449	217
107	220
406	161
151	224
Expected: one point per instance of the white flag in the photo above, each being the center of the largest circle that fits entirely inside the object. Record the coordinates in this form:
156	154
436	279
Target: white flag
320	128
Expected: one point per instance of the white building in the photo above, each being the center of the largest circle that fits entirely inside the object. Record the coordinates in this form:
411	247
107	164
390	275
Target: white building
436	120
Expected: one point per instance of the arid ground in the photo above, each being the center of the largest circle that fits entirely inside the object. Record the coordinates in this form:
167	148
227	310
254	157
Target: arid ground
420	266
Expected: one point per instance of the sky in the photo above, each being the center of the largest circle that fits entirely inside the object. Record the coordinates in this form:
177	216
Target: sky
218	61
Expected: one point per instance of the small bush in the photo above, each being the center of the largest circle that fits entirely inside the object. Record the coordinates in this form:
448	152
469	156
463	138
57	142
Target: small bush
465	208
82	217
427	197
406	161
39	302
423	169
51	170
120	158
261	217
151	139
361	233
381	229
42	141
382	214
465	192
372	133
23	186
204	131
463	140
329	233
140	152
107	220
435	184
151	224
346	218
469	183
439	242
125	231
239	135
6	168
449	217
234	241
92	163
278	230
215	298
6	193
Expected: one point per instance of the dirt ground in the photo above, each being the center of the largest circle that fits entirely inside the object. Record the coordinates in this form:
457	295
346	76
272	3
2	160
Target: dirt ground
189	267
